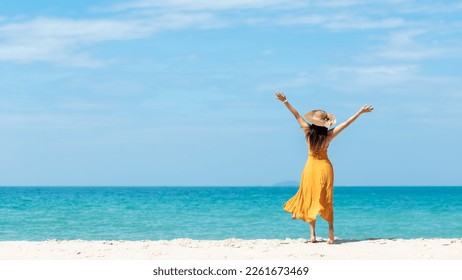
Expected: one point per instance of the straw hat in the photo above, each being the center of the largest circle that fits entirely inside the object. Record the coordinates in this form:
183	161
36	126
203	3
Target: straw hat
320	118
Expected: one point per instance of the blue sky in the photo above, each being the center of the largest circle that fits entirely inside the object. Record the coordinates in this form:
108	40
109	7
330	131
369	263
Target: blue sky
174	93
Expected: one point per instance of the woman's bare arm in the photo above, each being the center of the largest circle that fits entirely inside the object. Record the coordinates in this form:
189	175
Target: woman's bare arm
336	131
303	124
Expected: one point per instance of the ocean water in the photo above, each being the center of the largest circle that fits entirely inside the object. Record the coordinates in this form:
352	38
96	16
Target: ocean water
155	213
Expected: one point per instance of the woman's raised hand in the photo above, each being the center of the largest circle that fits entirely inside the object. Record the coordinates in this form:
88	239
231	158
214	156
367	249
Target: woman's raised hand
366	108
280	96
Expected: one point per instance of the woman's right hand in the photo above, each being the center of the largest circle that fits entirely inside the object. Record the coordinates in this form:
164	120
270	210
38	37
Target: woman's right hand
280	96
366	109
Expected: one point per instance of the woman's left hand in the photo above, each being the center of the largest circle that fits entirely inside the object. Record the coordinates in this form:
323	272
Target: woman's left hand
366	108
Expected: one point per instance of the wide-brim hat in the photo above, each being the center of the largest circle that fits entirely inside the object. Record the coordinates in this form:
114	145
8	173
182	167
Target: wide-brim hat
320	118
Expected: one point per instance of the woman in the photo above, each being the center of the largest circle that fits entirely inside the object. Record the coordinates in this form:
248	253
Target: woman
316	184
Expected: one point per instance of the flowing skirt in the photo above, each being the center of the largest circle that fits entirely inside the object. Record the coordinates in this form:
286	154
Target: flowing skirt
315	193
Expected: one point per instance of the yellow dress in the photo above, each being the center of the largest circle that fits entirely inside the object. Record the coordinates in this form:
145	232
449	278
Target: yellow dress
316	188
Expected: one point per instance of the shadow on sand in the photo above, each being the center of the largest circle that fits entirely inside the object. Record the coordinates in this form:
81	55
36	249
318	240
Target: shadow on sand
343	241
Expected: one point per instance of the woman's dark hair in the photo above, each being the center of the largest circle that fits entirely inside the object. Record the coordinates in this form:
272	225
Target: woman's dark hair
317	136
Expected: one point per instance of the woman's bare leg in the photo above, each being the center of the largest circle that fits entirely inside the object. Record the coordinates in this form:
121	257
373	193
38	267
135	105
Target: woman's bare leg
331	238
313	231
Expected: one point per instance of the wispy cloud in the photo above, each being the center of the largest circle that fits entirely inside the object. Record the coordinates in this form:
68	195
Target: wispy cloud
376	70
431	7
64	41
342	21
202	5
372	76
301	12
404	45
69	41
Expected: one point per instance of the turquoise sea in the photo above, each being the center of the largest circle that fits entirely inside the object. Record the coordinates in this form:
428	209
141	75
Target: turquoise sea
155	213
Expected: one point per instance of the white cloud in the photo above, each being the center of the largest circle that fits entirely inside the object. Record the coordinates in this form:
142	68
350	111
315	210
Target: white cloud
203	5
338	3
327	18
375	70
74	30
404	45
431	7
60	40
64	41
68	41
342	21
362	77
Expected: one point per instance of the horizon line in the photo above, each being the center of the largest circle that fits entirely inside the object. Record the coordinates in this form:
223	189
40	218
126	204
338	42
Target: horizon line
213	186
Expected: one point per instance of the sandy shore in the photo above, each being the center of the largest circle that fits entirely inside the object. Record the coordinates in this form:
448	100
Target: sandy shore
234	249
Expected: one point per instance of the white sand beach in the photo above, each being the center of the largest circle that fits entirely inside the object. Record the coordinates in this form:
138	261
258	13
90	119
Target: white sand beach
234	249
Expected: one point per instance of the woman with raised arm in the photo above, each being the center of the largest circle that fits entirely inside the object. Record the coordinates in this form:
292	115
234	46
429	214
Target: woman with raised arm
317	181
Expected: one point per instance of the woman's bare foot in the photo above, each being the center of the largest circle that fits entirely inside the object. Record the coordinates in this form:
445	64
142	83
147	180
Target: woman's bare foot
331	239
313	231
